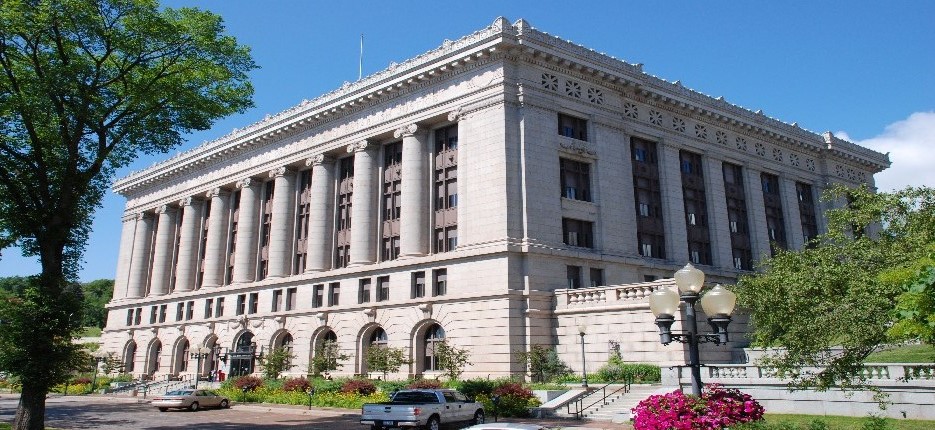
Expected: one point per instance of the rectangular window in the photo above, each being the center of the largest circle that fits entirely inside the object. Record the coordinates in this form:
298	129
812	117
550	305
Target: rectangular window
651	245
266	223
392	201
137	319
241	304
741	249
578	233
129	317
277	301
318	295
219	309
575	128
696	208
418	285
573	276
179	311
363	293
334	293
189	310
383	288
254	303
772	202
232	237
163	310
597	277
203	241
575	179
342	251
303	207
807	211
439	282
647	190
446	189
209	308
153	311
290	298
649	278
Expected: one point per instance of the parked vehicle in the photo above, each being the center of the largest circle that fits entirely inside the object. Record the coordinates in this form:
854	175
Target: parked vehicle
506	426
191	400
422	408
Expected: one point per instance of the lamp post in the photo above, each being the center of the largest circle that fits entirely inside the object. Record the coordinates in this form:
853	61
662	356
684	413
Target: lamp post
717	303
582	329
201	353
99	356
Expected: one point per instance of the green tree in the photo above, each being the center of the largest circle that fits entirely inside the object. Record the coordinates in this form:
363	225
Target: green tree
327	358
86	86
385	359
452	359
96	295
543	363
834	302
277	361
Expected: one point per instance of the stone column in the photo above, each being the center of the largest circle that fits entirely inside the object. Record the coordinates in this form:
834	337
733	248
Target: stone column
122	276
414	216
792	218
718	221
163	250
364	208
187	262
281	234
673	205
247	231
320	214
756	210
139	261
216	245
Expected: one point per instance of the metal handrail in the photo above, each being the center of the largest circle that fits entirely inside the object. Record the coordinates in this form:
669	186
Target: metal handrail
579	410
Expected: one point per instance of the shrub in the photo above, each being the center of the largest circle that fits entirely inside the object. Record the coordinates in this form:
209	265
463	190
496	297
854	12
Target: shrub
425	383
617	370
84	380
475	387
362	387
543	363
248	383
717	408
296	384
323	385
515	400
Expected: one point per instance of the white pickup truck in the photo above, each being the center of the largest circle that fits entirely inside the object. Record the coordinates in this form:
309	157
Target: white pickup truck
421	408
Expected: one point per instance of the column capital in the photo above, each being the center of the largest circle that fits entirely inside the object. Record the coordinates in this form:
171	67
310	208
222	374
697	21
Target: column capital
279	172
319	159
188	201
246	183
164	209
360	146
142	215
129	216
408	131
216	192
456	115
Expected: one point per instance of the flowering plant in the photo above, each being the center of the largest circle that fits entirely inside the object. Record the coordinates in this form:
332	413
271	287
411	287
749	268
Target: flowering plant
716	409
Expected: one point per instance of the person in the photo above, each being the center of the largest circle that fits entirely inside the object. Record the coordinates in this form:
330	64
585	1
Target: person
220	376
212	375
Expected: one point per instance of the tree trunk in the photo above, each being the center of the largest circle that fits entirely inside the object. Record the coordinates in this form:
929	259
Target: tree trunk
30	414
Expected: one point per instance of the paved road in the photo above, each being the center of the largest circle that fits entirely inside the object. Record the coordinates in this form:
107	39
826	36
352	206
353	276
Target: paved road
89	412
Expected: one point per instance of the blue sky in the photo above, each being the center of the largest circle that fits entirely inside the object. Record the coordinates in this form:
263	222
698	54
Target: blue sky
863	70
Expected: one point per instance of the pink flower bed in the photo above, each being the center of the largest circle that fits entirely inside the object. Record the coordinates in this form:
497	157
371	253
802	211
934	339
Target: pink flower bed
716	409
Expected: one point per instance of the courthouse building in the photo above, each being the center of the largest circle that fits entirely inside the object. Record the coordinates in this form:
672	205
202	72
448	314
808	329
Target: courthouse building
496	192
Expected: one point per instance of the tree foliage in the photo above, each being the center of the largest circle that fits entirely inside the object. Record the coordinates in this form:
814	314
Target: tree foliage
276	362
452	359
327	358
543	363
385	359
832	303
96	295
85	86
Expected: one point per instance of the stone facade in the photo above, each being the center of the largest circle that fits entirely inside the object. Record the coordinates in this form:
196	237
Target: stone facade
483	178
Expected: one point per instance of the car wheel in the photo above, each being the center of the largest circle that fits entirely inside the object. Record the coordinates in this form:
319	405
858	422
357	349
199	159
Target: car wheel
193	407
433	424
479	417
225	404
163	409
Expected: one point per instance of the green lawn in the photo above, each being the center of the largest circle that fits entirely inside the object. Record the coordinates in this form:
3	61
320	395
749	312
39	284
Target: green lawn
89	332
846	423
904	354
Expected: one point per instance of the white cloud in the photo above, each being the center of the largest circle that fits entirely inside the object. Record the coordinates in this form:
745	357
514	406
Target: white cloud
911	144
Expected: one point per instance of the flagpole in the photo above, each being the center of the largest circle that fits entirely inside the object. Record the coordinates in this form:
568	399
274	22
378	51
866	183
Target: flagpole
360	66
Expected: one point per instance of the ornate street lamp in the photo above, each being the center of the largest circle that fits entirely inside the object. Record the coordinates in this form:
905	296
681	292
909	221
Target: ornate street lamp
717	303
200	353
582	329
99	357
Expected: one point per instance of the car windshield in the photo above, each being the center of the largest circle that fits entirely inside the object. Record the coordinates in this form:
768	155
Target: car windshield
179	393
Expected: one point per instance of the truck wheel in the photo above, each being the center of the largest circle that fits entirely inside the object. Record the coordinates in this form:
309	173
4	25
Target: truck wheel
479	417
376	428
433	424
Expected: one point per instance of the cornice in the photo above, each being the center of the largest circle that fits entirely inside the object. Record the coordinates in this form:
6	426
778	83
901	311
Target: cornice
519	40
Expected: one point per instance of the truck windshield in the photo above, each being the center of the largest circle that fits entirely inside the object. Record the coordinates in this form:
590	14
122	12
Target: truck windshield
415	397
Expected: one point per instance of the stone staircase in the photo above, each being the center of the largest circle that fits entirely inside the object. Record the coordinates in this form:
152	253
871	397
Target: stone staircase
617	407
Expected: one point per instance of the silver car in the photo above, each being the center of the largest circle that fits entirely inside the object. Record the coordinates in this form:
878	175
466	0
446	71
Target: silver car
191	400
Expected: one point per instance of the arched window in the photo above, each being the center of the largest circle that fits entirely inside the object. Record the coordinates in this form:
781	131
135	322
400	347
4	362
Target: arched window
434	335
182	356
378	337
154	352
330	336
242	358
129	358
285	343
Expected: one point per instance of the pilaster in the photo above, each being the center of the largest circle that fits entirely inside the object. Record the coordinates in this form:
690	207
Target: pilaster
718	220
792	218
756	210
122	276
670	177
